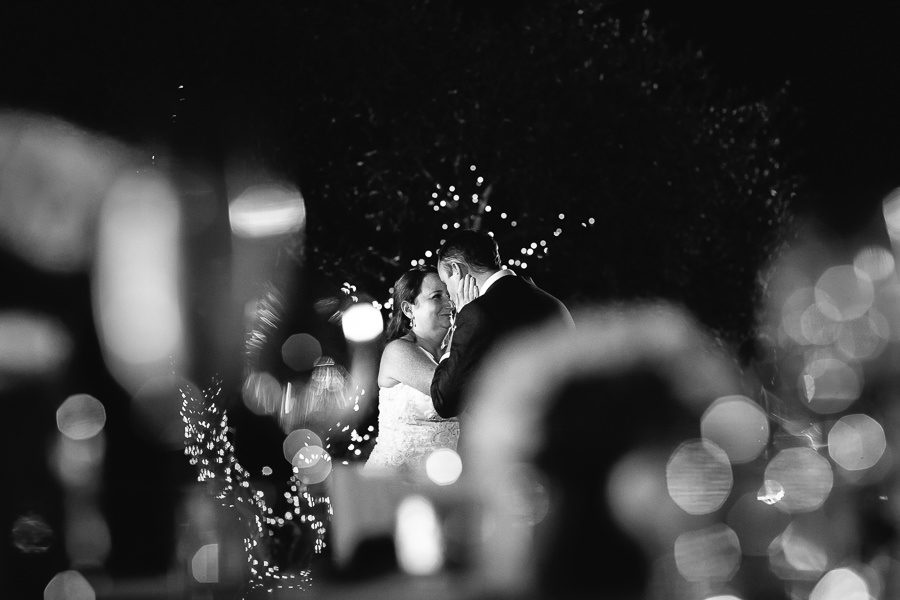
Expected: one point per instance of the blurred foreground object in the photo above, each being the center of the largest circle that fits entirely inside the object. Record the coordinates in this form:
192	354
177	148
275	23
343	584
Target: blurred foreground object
586	453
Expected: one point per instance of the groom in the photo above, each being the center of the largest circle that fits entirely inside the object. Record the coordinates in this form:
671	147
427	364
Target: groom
505	303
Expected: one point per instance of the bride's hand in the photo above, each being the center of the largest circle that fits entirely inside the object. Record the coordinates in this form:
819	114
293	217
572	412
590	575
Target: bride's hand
466	292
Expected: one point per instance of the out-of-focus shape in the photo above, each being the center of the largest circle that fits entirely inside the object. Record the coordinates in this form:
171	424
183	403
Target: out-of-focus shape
261	393
856	442
443	466
362	322
78	462
738	426
301	352
297	440
890	208
841	584
419	541
875	261
205	564
596	412
312	464
80	417
88	541
31	534
804	475
831	384
801	551
53	178
710	554
844	293
137	283
699	477
69	585
267	210
31	345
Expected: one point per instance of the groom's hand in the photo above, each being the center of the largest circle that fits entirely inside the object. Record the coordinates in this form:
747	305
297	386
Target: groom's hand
466	291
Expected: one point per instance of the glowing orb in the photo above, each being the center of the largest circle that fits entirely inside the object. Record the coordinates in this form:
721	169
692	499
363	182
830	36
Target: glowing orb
738	426
362	322
301	351
805	477
699	477
841	584
711	554
80	417
267	210
418	537
856	442
443	466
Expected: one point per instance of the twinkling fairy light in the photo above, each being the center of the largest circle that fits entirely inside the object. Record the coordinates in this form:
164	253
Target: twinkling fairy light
209	448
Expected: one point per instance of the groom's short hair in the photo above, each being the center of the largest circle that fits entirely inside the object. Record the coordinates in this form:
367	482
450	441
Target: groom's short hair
475	248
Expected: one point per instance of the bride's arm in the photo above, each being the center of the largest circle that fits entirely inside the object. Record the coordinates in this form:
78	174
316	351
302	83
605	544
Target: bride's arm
404	362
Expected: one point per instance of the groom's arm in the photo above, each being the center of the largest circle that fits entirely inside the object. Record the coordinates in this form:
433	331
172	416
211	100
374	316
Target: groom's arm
454	374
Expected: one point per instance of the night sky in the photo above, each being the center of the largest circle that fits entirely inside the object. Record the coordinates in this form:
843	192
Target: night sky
70	61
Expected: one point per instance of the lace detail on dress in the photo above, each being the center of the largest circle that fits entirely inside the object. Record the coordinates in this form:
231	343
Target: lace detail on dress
406	435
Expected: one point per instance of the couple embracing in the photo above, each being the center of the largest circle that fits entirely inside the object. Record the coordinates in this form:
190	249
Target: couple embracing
431	358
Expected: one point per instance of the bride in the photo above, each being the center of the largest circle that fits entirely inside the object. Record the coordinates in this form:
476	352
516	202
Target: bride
408	427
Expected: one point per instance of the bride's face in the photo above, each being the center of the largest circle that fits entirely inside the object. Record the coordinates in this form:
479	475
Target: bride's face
432	307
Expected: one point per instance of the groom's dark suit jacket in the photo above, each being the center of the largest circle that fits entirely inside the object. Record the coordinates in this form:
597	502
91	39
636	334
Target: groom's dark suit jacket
509	304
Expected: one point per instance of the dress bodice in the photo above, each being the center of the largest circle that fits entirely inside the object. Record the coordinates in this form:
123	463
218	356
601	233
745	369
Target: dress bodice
408	428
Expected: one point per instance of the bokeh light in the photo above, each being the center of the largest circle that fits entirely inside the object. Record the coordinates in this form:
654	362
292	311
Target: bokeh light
297	440
137	279
710	554
738	426
841	584
699	477
801	551
301	351
418	538
443	466
262	393
876	262
312	464
805	477
87	537
267	210
31	344
205	564
856	442
831	384
362	322
69	585
844	292
80	417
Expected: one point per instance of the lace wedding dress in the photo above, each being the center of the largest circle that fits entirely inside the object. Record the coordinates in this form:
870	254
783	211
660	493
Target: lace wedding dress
408	429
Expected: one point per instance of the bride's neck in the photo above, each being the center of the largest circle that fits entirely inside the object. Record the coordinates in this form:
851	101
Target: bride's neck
431	344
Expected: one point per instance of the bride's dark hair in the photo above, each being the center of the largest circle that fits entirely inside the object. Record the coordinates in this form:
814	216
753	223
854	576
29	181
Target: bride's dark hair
406	288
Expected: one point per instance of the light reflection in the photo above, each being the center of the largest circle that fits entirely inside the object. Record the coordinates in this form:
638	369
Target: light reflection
31	534
297	440
738	426
418	539
710	554
804	475
312	464
699	477
800	552
267	210
80	417
856	442
261	393
864	338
